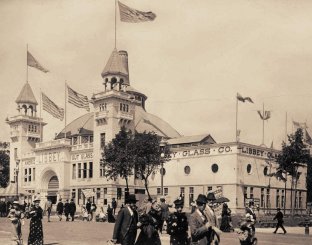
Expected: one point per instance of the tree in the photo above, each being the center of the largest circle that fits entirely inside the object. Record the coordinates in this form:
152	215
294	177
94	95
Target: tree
147	155
116	159
4	165
293	156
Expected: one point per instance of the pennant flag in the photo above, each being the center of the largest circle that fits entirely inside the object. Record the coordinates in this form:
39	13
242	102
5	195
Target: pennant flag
131	15
31	61
79	100
266	116
50	107
300	125
241	98
308	138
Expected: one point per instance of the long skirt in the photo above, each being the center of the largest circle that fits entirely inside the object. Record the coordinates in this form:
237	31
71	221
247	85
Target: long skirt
144	239
16	231
36	233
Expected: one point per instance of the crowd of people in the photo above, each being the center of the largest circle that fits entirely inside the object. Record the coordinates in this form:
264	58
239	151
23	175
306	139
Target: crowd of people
149	219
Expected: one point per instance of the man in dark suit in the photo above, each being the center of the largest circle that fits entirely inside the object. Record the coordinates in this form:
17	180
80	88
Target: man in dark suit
279	216
125	229
198	222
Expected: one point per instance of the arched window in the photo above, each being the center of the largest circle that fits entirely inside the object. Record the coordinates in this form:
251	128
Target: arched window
25	109
31	110
187	169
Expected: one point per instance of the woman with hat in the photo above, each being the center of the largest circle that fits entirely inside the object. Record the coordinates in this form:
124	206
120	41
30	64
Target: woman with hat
177	225
15	215
149	223
35	227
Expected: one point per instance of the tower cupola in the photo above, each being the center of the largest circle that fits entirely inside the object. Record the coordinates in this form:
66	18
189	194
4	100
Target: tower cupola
26	101
116	71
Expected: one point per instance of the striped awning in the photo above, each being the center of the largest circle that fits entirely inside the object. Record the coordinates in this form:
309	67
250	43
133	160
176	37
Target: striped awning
10	190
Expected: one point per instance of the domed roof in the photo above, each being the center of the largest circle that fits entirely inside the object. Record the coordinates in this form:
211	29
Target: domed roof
143	122
26	95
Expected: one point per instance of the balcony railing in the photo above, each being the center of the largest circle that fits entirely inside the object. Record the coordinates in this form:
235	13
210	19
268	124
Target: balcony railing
83	146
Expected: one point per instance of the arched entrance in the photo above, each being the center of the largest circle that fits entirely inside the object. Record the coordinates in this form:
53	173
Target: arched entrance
50	184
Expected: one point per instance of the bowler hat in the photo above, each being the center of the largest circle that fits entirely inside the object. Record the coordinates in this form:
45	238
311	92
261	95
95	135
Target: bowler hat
131	199
201	199
211	196
179	202
37	199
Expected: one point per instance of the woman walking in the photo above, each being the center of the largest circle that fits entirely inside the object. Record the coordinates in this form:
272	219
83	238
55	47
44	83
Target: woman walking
35	215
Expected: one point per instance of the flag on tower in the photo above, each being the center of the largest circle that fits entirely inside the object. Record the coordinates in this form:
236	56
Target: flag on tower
77	99
265	116
241	98
49	106
131	15
31	61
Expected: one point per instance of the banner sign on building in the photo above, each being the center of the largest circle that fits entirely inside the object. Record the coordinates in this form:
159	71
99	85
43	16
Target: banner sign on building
88	193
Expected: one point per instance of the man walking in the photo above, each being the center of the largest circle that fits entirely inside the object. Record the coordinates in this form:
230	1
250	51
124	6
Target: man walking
164	212
66	210
72	209
48	208
279	217
114	205
125	229
59	209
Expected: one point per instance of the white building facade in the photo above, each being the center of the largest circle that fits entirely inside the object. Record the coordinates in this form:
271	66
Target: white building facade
70	167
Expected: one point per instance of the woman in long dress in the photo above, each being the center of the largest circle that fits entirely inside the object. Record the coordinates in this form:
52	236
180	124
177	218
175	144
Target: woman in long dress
149	223
226	219
35	232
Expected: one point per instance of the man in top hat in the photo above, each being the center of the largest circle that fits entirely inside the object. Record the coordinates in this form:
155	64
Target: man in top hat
60	209
125	229
177	225
199	225
279	216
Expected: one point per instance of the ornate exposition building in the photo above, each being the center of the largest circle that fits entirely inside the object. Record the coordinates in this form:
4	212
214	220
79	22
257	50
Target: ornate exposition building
70	167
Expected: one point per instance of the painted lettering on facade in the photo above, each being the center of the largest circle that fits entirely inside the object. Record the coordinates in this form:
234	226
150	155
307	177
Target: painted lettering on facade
82	156
50	157
257	152
202	152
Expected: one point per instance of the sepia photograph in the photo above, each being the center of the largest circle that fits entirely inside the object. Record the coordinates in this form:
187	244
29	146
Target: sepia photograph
141	122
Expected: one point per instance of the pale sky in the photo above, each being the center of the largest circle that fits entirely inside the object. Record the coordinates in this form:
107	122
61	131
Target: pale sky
190	62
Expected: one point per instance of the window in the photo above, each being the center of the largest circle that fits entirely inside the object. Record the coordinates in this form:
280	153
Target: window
91	139
187	170
268	204
29	174
105	191
79	170
119	193
124	107
163	171
191	195
214	168
283	199
209	188
182	191
84	170
249	168
262	198
158	191
98	193
25	178
15	153
245	192
265	171
251	192
90	169
73	193
102	169
300	200
166	191
277	204
84	139
102	140
75	140
34	174
74	171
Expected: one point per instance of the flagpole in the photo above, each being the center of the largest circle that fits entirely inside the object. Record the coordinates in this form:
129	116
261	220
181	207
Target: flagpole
40	118
115	22
27	63
263	125
236	139
65	108
286	128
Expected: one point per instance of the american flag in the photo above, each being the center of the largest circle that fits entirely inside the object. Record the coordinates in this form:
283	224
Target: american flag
79	100
50	107
128	14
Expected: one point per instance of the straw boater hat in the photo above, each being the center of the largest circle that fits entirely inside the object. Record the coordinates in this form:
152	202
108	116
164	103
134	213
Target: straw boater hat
16	202
37	199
